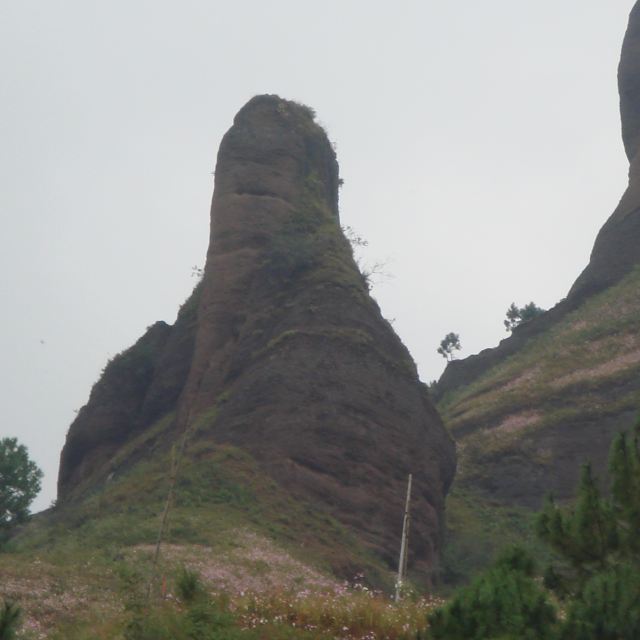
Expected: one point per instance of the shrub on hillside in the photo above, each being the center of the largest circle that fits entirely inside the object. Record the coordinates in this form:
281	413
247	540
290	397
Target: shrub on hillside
188	585
505	602
516	316
596	574
199	621
10	615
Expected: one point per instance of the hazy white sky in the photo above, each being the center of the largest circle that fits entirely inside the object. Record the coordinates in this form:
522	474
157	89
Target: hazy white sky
479	143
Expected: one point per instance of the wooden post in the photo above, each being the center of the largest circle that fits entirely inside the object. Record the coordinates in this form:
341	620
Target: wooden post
402	564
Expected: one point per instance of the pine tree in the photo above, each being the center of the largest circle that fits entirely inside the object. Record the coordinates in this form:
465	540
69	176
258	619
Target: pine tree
504	602
624	466
584	537
608	608
596	572
598	568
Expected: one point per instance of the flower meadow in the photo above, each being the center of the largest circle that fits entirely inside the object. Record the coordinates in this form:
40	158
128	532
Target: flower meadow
254	591
346	612
350	612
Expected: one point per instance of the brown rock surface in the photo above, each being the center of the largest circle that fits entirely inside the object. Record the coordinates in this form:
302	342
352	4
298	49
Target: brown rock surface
287	357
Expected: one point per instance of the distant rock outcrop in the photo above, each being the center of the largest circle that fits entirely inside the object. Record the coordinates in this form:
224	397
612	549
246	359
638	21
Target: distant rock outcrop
549	397
617	247
629	85
281	352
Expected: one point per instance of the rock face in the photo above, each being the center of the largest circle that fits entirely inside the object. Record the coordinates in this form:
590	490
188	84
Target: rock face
282	352
629	85
617	249
551	396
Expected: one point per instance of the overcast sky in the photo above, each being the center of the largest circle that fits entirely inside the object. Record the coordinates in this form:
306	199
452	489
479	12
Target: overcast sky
479	142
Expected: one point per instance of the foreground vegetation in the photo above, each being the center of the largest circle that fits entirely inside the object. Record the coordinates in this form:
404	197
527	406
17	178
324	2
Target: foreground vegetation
113	603
83	571
235	564
591	589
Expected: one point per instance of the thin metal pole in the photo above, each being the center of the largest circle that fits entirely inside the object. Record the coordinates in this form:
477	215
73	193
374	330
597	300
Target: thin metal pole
402	564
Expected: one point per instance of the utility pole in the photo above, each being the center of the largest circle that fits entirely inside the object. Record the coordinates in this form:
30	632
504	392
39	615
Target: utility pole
402	564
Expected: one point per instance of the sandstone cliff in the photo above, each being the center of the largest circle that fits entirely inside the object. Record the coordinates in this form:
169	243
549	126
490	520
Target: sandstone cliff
280	353
551	396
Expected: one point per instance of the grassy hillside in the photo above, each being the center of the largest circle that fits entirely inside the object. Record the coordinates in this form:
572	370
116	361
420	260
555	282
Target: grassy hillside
248	588
229	522
219	489
584	369
524	427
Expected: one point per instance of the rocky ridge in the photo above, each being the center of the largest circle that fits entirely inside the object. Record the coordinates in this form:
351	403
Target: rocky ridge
528	412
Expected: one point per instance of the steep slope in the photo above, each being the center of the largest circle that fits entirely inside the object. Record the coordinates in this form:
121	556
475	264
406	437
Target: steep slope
525	426
527	413
616	250
280	354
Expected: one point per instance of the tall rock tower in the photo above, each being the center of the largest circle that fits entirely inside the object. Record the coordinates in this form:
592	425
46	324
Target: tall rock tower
281	352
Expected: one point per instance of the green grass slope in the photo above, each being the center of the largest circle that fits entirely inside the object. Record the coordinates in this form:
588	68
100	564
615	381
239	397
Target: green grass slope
75	568
525	426
219	490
